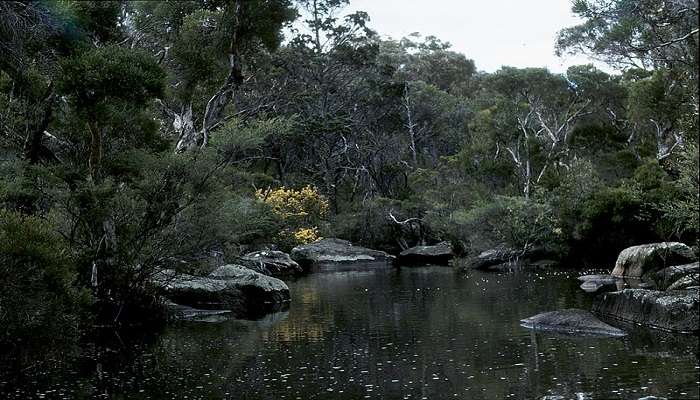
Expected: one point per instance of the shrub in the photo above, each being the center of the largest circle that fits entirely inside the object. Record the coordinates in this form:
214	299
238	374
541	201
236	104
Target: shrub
39	301
512	222
683	210
300	212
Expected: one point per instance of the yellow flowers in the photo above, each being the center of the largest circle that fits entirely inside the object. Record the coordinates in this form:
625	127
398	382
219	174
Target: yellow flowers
307	235
300	211
290	203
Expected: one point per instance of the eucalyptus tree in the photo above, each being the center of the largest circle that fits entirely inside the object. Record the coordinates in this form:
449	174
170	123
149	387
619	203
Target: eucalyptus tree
531	113
650	35
208	48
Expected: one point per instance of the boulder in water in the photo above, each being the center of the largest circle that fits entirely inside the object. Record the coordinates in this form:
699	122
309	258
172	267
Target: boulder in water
330	252
593	283
675	311
494	257
640	261
439	254
186	313
271	263
571	321
506	259
246	293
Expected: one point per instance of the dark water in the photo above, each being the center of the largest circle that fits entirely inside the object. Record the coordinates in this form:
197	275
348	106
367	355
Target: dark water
425	333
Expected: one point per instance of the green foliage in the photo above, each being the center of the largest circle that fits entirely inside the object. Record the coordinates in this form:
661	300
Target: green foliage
39	298
111	74
683	210
512	222
369	224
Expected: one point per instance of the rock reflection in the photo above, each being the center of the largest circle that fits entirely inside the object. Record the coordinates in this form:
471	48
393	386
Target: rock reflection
385	334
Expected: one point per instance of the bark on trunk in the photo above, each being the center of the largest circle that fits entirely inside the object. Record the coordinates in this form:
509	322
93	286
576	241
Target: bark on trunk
95	150
33	142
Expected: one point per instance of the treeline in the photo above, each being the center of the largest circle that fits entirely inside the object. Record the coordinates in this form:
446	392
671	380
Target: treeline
139	135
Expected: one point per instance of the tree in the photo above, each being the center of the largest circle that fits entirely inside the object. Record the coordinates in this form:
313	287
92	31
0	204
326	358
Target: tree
207	38
532	113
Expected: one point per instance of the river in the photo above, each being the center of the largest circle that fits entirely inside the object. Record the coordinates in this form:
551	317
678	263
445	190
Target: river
418	333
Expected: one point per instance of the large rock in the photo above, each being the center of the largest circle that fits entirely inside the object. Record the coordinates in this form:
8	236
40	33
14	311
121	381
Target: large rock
272	263
675	311
440	254
328	252
641	261
668	276
571	321
248	294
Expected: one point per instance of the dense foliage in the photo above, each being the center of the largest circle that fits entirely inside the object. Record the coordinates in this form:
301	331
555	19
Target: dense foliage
140	135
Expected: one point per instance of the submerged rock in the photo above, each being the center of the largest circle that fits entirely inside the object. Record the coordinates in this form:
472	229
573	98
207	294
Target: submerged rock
640	261
675	311
271	263
495	257
440	254
337	251
186	313
246	293
593	283
668	276
504	259
571	321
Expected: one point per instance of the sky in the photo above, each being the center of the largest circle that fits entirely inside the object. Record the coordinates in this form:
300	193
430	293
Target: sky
518	33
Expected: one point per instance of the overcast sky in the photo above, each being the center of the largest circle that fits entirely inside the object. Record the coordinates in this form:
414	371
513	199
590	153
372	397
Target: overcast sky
519	33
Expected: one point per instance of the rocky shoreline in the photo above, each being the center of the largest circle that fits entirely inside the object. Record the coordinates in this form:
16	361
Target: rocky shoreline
655	286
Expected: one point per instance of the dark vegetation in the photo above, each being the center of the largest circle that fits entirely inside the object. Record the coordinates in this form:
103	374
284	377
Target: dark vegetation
137	135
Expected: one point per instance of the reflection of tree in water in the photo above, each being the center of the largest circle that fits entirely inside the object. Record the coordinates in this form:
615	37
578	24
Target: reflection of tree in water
310	320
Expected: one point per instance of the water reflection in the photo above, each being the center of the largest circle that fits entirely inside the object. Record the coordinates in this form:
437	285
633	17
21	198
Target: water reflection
385	334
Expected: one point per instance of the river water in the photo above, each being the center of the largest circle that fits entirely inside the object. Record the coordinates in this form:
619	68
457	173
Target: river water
419	333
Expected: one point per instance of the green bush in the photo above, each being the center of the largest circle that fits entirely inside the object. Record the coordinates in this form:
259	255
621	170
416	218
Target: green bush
39	301
683	210
512	222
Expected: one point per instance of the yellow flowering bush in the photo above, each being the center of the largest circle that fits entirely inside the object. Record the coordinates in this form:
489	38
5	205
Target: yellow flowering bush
307	235
299	210
306	204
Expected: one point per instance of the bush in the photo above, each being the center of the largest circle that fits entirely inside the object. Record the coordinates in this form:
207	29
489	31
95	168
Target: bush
683	210
39	301
513	222
299	211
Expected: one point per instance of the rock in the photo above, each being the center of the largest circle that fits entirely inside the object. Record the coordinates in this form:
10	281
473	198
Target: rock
494	257
271	263
440	254
503	259
686	282
336	251
185	313
246	293
571	321
675	311
667	276
593	283
640	261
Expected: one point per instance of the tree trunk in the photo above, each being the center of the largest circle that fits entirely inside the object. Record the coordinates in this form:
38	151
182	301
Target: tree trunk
95	150
33	142
184	127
